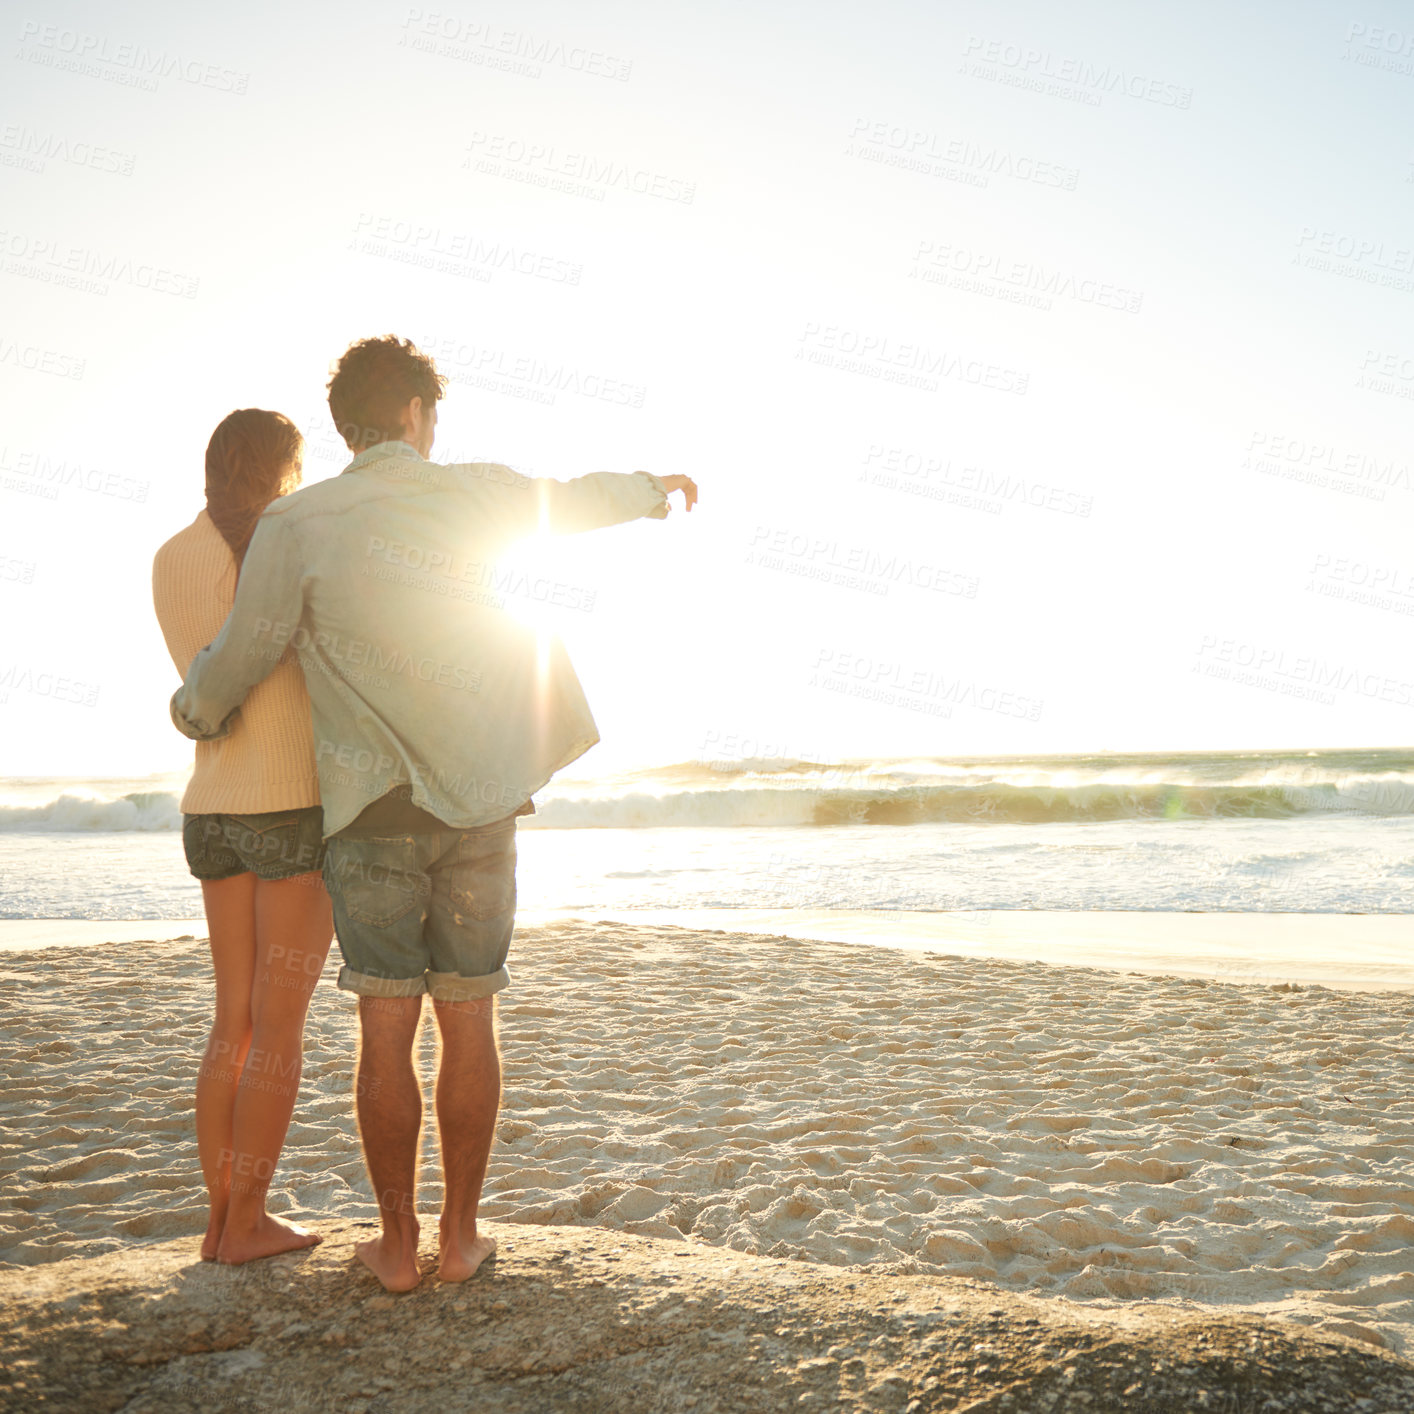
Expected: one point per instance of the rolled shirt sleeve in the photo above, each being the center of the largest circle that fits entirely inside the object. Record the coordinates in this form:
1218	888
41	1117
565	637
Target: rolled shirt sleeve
258	630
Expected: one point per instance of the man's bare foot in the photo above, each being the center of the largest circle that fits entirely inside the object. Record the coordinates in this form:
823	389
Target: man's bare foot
460	1259
392	1259
269	1237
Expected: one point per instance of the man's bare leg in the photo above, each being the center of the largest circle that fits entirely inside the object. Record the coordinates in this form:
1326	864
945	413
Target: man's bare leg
294	926
390	1125
468	1096
230	919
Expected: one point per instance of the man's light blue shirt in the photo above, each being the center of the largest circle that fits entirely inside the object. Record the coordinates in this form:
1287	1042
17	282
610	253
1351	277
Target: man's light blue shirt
416	674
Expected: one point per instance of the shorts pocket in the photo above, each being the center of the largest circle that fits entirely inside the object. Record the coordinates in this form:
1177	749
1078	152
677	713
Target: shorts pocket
482	880
377	882
266	844
281	844
203	843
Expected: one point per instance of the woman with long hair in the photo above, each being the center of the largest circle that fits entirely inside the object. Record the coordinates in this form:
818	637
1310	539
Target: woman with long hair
252	831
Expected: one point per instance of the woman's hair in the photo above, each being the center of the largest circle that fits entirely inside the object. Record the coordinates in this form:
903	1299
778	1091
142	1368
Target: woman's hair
253	456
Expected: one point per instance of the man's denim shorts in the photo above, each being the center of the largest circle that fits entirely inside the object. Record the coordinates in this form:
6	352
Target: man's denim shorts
275	845
425	912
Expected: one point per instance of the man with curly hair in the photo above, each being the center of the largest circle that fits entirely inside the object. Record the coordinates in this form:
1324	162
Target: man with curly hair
436	718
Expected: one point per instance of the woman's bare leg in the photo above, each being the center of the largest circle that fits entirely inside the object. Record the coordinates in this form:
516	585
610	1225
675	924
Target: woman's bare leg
294	926
230	919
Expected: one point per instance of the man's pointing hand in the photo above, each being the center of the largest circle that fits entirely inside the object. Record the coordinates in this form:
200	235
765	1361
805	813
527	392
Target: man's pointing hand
685	484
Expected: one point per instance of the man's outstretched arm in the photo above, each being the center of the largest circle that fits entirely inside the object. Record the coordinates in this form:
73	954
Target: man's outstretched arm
253	639
532	504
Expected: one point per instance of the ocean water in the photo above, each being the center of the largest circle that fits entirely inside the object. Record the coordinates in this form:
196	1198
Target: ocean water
1319	831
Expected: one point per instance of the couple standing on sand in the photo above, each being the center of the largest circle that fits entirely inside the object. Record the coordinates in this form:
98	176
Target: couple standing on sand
369	725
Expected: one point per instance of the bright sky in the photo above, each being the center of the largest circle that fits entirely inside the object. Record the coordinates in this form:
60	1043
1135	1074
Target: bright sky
1047	371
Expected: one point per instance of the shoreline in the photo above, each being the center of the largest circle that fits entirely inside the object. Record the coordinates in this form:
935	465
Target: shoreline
18	935
1343	951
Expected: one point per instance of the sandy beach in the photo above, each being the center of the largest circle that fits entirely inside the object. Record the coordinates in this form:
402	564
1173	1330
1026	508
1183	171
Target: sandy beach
1094	1135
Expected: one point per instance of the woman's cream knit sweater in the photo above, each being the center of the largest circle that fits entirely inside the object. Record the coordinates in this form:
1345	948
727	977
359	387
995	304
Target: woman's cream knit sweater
266	762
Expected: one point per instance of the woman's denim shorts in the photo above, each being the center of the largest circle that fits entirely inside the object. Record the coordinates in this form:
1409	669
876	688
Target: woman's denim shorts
276	845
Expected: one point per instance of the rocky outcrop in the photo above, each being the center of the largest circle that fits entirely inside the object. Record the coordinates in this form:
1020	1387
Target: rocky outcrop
589	1320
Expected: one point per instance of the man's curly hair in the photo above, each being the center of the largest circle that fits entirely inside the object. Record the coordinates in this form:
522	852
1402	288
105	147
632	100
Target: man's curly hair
372	384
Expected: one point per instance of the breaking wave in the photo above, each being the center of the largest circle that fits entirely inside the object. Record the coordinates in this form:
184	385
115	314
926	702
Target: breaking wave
790	792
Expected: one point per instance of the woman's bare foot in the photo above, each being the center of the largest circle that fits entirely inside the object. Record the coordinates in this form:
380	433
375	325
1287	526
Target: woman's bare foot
392	1258
269	1237
461	1258
212	1240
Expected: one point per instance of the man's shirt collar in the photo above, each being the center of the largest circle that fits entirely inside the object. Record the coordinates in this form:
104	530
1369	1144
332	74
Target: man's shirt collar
382	450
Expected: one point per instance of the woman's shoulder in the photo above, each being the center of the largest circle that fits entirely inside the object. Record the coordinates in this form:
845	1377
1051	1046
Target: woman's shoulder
195	567
198	541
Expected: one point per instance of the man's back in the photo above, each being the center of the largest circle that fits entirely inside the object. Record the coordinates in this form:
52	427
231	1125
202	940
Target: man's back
416	674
